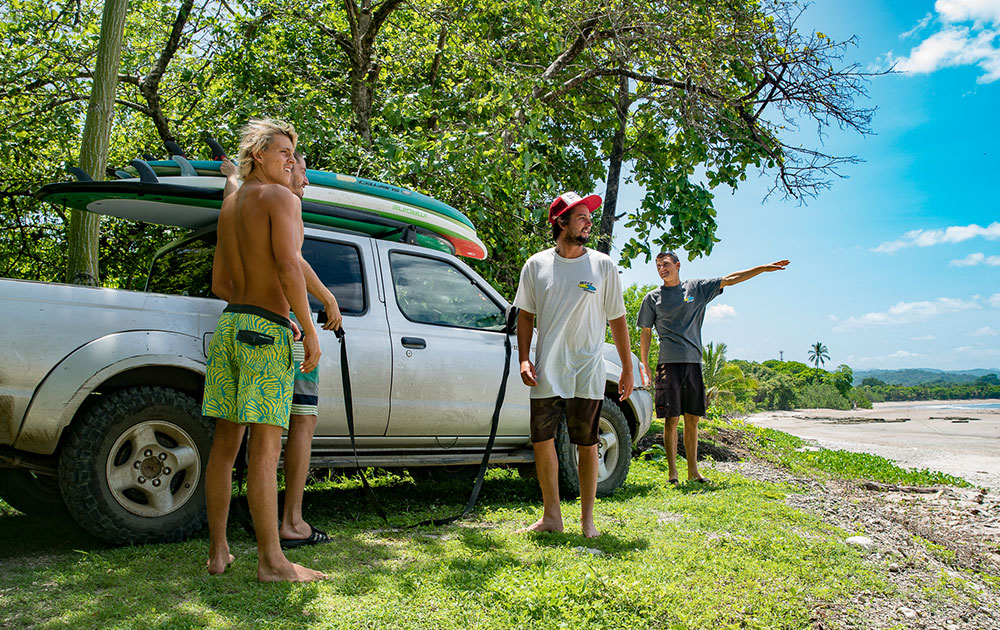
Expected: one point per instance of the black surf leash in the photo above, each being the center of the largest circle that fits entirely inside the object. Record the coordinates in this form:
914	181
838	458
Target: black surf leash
345	373
242	507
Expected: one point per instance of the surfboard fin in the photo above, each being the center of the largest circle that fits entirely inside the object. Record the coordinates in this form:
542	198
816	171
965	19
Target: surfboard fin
80	174
173	148
148	157
217	151
120	174
186	169
146	173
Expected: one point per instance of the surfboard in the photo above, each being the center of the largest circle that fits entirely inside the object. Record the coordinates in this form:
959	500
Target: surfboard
326	179
175	204
196	200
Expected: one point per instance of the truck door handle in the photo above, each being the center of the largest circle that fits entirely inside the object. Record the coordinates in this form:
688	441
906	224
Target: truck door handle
413	342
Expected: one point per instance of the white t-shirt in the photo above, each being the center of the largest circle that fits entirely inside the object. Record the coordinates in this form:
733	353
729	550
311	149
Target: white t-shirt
572	299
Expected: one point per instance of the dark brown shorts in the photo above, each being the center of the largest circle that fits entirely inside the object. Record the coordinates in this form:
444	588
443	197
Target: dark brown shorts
679	390
582	418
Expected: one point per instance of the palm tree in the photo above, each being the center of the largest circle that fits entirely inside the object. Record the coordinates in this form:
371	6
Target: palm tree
720	377
818	354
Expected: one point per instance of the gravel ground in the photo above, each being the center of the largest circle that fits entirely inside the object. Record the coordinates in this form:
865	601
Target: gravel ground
940	550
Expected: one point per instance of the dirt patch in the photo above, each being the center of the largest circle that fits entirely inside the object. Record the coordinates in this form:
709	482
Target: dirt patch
726	445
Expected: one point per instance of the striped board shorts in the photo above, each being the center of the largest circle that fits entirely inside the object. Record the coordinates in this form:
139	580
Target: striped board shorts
305	391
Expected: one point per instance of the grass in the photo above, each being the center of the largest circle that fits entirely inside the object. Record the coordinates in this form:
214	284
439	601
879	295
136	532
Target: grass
730	556
787	450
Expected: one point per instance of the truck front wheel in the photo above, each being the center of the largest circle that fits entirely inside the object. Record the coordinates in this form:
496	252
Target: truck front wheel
132	468
614	453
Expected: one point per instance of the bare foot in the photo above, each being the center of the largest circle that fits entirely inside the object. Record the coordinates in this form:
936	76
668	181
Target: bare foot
218	565
294	532
543	525
290	572
590	530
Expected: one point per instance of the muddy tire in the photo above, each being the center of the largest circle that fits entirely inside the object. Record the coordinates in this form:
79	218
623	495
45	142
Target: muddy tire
614	454
132	468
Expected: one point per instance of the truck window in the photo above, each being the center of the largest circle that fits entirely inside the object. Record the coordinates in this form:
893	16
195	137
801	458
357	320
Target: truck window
432	291
338	266
185	269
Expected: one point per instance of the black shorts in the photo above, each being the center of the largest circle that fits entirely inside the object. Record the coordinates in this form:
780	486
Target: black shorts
582	418
679	390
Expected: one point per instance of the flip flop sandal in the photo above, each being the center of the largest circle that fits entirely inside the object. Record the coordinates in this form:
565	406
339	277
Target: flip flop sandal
316	537
674	482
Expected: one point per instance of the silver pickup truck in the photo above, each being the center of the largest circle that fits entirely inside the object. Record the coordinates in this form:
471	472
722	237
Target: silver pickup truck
100	388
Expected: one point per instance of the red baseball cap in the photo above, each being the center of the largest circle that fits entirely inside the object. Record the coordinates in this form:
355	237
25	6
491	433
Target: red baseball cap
569	200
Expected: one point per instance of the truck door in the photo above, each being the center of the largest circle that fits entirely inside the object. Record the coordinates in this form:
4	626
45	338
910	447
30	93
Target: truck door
348	269
447	340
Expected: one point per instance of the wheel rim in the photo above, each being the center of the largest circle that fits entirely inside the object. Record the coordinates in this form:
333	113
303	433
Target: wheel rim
153	468
607	450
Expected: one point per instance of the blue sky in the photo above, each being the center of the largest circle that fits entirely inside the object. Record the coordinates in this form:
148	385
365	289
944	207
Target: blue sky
898	265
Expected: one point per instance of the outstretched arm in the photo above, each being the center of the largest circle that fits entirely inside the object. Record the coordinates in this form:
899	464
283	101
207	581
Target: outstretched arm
742	276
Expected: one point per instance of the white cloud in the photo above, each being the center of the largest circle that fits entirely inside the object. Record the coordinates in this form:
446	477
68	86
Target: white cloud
908	312
967	35
923	338
995	300
903	354
953	234
985	331
921	25
719	312
964	10
978	258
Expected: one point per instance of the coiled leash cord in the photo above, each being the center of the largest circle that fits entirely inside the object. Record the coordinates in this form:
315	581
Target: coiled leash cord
345	375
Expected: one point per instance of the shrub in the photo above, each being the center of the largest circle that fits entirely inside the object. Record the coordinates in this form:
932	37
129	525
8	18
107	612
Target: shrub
822	396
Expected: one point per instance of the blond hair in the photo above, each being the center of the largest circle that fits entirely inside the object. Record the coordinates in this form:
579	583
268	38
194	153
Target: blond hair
257	136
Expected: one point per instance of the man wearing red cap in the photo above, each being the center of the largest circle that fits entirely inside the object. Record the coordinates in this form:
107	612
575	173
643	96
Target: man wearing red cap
574	292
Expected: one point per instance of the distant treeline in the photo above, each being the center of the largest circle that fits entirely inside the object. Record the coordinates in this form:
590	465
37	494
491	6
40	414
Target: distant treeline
774	385
983	387
923	376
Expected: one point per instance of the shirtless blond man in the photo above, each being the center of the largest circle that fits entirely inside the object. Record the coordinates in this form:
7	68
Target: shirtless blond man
249	373
294	530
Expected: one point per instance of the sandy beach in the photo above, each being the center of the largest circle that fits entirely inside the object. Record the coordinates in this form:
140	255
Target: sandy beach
925	434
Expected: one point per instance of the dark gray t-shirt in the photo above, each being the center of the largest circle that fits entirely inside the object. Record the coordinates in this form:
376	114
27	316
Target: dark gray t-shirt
677	314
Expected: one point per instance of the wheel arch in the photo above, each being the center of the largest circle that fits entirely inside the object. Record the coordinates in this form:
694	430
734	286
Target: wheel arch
122	360
611	392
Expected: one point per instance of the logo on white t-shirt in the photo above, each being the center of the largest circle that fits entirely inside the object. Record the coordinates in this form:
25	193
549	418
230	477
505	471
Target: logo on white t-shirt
588	287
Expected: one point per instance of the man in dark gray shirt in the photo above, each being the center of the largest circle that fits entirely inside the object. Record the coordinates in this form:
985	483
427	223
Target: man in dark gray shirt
677	310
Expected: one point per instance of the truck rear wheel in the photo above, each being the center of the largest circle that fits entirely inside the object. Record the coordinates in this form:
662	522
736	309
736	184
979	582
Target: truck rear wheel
132	468
614	453
31	493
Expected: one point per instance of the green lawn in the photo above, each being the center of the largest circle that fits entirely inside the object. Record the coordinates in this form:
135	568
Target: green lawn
732	556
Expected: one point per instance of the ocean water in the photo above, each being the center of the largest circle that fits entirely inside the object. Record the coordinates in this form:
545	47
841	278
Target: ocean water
970	406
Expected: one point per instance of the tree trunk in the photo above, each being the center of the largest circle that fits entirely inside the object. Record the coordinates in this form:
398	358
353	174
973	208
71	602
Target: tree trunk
362	91
84	227
606	231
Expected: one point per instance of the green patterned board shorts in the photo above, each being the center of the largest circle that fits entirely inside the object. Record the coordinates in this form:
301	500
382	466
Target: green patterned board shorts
248	378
